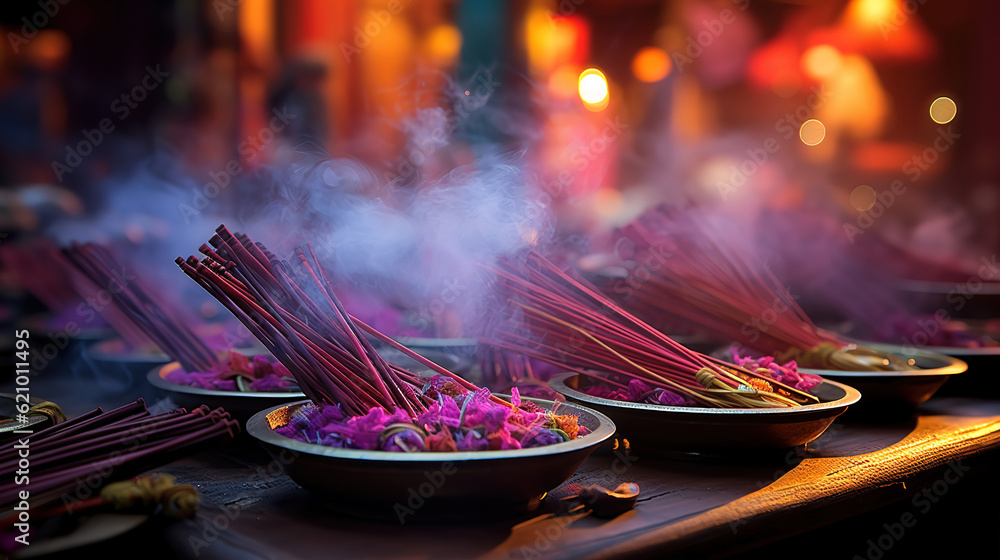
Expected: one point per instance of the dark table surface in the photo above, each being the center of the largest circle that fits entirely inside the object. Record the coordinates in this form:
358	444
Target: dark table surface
899	476
687	508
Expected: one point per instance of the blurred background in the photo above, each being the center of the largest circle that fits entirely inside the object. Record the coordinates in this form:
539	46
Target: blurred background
853	141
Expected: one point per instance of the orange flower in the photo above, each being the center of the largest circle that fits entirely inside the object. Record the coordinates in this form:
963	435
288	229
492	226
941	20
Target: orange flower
568	424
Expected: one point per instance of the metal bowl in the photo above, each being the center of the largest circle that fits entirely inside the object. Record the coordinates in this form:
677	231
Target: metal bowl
241	405
404	487
971	298
9	422
458	346
671	430
978	381
898	388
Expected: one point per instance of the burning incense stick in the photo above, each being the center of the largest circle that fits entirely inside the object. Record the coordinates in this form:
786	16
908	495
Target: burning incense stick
567	322
699	278
292	309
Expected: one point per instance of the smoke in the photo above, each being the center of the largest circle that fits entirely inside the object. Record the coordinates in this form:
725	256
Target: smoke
403	233
418	245
138	218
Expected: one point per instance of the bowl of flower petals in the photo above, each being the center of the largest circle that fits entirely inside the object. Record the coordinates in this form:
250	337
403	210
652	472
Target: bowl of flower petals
243	385
664	397
658	421
470	454
377	439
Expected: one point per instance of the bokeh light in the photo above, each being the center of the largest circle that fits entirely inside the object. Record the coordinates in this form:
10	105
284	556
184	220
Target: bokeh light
593	87
943	110
863	198
872	12
651	64
821	61
812	132
444	42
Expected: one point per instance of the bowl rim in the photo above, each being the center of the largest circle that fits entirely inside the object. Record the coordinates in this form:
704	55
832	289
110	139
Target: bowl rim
965	350
433	343
945	350
155	378
851	396
256	426
953	365
979	351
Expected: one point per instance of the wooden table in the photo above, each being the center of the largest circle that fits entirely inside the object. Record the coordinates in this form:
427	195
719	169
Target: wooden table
687	508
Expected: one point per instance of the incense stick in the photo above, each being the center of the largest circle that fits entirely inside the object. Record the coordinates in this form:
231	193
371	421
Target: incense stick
566	321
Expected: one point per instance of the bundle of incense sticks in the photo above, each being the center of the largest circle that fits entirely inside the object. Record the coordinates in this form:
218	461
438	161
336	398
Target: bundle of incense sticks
684	271
109	445
135	312
292	310
566	321
42	271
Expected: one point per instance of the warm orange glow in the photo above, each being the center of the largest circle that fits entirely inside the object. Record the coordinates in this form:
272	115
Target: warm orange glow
553	41
692	115
49	48
593	87
651	64
872	12
812	132
608	203
883	156
881	29
943	110
821	61
855	102
776	66
256	23
563	82
443	43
